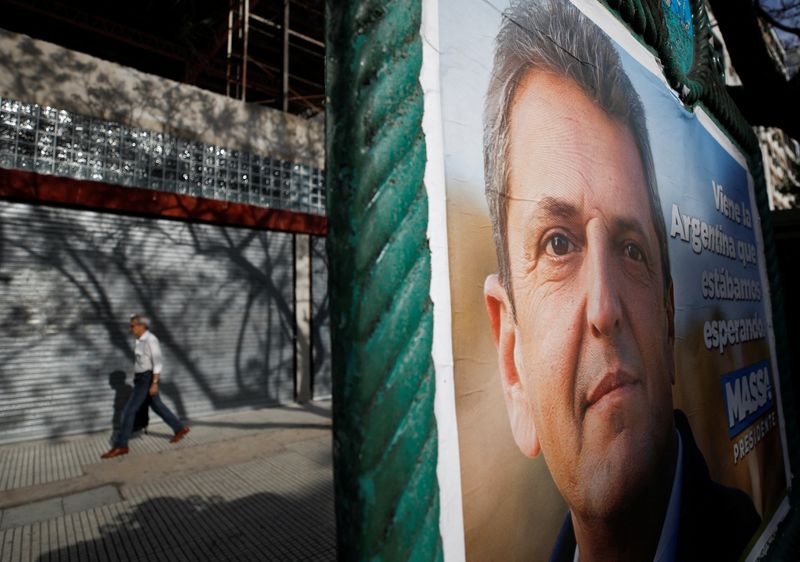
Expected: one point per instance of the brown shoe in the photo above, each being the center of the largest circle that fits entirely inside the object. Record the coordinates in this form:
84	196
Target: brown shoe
180	434
115	452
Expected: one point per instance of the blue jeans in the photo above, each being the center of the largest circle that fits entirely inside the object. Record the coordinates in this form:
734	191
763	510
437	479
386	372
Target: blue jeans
141	388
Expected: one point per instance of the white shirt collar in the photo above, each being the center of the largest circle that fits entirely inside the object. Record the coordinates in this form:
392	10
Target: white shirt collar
668	540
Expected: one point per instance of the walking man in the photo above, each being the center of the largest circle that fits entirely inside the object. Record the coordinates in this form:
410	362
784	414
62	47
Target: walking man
147	372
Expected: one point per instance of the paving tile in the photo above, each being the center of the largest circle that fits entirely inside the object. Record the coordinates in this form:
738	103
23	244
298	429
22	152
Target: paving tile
27	514
25	546
278	506
91	499
318	450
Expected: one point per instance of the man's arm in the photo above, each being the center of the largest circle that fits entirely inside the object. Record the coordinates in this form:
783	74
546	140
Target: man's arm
155	356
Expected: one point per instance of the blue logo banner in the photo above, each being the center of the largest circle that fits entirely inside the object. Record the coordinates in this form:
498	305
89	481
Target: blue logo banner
748	394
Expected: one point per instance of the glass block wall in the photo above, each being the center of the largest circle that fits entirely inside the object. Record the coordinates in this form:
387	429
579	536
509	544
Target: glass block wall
63	143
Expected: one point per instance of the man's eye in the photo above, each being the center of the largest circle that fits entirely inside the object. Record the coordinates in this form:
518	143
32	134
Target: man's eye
634	252
559	245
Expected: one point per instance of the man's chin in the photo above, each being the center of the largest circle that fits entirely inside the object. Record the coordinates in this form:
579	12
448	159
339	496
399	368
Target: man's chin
611	480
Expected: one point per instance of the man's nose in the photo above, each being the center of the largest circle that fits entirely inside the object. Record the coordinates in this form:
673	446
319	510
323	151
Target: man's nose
603	306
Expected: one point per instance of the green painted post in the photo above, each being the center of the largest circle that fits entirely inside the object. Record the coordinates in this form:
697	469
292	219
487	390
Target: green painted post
385	445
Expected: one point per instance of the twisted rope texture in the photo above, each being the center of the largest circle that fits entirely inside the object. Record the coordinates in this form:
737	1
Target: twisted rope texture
385	444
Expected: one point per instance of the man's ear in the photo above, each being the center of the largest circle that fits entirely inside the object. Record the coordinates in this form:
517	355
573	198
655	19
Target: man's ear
671	331
504	330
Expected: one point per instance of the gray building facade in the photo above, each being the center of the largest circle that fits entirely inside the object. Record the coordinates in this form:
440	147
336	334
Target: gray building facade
122	193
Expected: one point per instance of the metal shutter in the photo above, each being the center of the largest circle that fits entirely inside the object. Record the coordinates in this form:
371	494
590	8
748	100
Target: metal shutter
220	299
320	320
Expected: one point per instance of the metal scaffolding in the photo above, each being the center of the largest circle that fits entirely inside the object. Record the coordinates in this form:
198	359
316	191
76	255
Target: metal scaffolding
268	52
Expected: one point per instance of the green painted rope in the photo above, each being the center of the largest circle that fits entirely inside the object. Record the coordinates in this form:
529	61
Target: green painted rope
385	444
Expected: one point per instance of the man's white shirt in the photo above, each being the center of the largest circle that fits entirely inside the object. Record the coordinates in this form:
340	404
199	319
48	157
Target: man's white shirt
148	354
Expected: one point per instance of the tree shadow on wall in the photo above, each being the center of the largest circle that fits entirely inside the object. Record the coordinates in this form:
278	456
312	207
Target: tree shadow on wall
262	526
85	284
232	320
320	320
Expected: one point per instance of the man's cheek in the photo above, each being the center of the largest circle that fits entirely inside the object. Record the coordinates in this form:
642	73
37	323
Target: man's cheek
544	302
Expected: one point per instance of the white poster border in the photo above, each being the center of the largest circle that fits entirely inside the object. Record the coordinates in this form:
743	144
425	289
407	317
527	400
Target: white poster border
448	468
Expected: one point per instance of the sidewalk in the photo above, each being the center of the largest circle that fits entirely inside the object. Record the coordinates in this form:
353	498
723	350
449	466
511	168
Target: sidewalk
254	485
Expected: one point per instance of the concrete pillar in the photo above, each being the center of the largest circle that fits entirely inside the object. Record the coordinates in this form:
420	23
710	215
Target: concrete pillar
302	311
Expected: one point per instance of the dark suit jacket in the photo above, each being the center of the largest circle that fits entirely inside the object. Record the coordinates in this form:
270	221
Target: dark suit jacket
716	522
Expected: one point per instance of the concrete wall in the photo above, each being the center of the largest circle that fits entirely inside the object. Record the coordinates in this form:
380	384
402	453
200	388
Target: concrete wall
39	72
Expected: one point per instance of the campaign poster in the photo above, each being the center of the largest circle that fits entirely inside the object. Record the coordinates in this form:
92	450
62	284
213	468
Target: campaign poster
613	365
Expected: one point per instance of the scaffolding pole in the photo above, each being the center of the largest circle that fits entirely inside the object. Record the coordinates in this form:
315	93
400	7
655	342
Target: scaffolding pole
244	56
286	56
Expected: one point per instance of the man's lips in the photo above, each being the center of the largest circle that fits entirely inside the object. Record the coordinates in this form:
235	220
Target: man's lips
607	384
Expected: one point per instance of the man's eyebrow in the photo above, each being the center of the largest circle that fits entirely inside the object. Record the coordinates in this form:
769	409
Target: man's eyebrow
555	208
626	224
547	210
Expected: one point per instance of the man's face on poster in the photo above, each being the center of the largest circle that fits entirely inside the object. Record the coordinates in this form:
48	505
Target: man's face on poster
587	358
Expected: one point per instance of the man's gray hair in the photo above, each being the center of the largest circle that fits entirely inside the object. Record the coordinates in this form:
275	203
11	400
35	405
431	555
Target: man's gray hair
553	36
141	320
